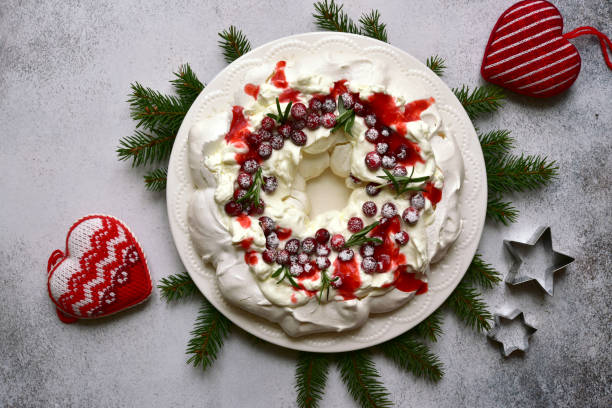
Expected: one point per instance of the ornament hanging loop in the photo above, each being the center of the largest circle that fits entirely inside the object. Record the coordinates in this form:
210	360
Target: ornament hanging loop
603	40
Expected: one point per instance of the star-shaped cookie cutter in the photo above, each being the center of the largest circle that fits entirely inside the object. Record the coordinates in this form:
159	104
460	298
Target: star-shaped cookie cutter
518	343
536	260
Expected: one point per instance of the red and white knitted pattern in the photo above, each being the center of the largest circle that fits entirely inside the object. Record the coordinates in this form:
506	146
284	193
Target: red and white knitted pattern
102	272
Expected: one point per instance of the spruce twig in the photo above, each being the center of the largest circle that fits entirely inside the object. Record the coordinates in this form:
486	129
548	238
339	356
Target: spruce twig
371	26
209	332
146	147
187	84
519	173
501	211
359	374
330	16
482	99
495	143
177	286
481	273
468	305
310	378
413	356
151	109
430	328
436	64
234	44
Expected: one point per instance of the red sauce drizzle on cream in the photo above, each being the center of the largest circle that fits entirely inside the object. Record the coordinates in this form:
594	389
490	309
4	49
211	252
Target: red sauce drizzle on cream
246	243
238	127
244	221
349	273
278	78
293	298
408	282
289	94
339	88
432	194
393	255
250	257
251	90
283	233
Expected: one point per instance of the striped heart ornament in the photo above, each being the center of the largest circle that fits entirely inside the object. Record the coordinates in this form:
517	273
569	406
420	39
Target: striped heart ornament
102	272
528	53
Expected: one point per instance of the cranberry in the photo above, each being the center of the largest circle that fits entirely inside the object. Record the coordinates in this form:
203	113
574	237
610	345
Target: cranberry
388	162
285	130
269	256
277	142
309	245
293	245
368	264
347	100
370	120
346	255
385	132
233	208
401	237
269	184
418	201
315	104
298	138
384	262
323	262
329	104
399	170
322	236
267	123
267	224
293	258
337	242
308	267
382	147
296	269
313	121
298	124
302	258
366	250
410	215
257	209
250	166
298	110
371	135
388	210
239	193
272	241
322	250
373	160
264	150
369	208
253	140
354	179
264	134
372	189
282	257
401	152
328	120
337	282
355	224
360	109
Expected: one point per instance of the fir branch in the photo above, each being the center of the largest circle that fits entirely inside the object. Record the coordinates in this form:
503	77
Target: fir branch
330	16
156	180
501	211
519	173
481	273
175	287
310	378
234	44
430	328
468	305
187	84
436	64
359	374
371	26
153	110
482	99
496	143
146	148
209	332
413	356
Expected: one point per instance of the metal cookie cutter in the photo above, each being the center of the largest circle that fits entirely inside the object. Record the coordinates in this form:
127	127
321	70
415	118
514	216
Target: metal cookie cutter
536	260
510	339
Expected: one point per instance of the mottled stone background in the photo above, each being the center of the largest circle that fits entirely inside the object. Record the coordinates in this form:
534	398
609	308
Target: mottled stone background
65	70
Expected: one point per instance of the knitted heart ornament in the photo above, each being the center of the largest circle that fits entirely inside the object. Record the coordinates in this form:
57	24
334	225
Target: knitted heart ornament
103	271
528	53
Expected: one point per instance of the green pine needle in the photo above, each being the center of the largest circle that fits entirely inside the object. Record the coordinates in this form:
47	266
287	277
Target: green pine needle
146	147
482	273
209	332
467	303
430	328
360	376
519	173
496	143
501	211
151	109
177	286
436	64
413	356
187	84
156	180
234	44
310	378
330	16
482	99
372	26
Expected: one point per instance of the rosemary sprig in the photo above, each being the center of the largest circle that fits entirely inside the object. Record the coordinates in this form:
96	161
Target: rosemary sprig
282	116
252	194
346	119
325	285
283	270
401	183
360	238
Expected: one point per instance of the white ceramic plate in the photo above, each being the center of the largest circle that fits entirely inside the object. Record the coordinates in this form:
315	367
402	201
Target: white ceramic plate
445	275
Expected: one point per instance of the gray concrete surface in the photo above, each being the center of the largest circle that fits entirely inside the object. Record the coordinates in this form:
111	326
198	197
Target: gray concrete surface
65	70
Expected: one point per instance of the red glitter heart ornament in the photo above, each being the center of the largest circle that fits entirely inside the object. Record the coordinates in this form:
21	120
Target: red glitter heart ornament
528	53
103	270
